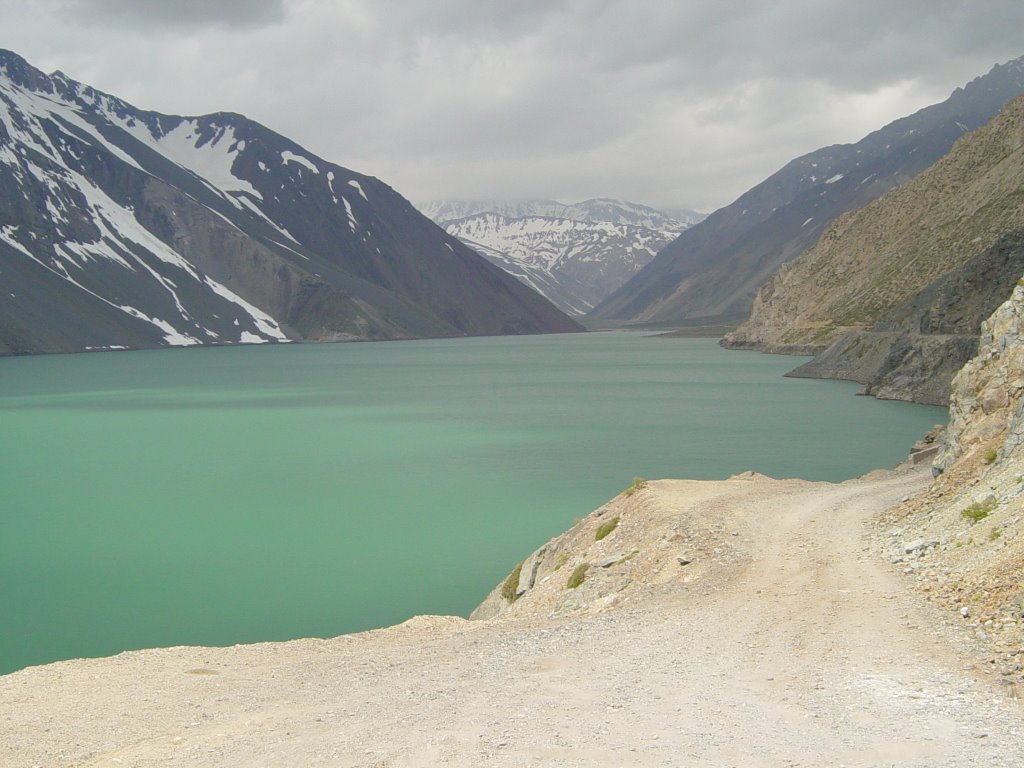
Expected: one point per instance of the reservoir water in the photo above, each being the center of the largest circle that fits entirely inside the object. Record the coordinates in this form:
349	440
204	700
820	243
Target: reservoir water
239	494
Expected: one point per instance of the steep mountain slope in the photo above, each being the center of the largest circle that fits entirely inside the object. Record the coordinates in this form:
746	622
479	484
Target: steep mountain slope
126	228
915	349
870	262
712	272
575	255
960	542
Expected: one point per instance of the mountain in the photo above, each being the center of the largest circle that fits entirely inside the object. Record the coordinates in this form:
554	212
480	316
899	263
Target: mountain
597	209
126	228
575	255
893	294
712	271
573	263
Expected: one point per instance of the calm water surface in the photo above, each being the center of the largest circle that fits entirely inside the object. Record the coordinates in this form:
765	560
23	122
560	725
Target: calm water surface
219	496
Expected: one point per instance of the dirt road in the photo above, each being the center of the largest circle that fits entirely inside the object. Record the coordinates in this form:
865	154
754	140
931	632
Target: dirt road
804	649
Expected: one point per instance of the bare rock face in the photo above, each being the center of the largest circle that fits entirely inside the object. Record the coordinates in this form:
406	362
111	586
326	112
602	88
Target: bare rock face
915	349
985	411
971	518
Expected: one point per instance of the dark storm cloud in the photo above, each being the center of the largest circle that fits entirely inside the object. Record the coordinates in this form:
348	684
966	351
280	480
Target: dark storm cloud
686	103
176	13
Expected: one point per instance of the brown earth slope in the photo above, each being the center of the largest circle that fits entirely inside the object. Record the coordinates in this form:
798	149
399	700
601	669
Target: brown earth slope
870	260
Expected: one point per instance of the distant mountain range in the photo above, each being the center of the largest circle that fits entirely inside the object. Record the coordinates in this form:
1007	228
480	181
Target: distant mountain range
710	274
574	254
123	228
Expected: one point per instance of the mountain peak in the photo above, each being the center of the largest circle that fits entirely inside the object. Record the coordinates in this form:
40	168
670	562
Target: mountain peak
128	228
573	254
21	73
711	273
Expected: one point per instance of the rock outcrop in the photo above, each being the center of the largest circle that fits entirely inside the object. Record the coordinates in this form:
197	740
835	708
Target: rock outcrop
915	349
985	411
970	522
654	537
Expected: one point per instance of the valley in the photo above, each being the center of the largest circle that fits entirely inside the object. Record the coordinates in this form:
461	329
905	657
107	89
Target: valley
225	542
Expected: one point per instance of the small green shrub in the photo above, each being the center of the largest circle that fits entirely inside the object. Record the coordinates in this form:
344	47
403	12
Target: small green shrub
605	528
562	560
994	534
510	586
979	510
638	483
990	456
577	576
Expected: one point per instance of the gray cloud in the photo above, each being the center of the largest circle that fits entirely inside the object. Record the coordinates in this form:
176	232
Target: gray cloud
667	103
174	13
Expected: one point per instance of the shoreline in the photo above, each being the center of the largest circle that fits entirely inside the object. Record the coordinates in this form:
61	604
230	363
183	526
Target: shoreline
775	618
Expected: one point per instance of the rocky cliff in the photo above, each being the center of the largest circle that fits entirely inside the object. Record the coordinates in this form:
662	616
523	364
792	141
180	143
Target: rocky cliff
961	541
915	349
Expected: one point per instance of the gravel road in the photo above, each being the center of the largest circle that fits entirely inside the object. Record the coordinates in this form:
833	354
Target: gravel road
804	650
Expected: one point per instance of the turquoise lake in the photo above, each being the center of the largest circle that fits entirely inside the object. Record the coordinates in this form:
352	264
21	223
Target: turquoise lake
229	495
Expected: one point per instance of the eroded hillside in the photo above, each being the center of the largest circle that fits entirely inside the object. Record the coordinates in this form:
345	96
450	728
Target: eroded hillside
869	261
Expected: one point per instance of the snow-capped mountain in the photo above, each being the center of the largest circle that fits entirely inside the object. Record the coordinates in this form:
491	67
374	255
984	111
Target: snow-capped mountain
126	228
597	209
573	254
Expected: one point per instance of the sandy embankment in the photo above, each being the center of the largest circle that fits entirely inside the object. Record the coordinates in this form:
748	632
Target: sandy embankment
784	641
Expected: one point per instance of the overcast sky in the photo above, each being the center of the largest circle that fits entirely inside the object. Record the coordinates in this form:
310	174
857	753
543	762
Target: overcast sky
682	103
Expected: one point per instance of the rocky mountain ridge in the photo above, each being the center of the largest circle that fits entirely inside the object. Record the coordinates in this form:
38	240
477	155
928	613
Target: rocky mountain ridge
603	209
903	284
575	255
124	228
573	263
712	272
915	348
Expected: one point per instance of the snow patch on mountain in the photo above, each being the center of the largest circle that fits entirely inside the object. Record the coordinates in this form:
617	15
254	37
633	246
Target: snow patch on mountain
43	142
596	209
291	157
264	322
131	228
575	255
358	188
210	158
352	223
